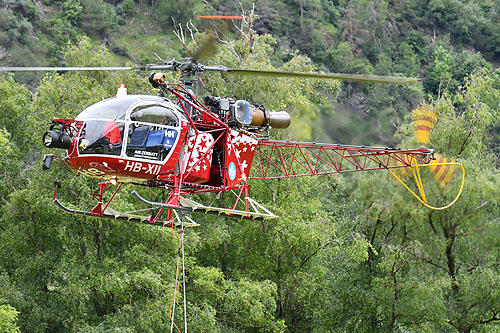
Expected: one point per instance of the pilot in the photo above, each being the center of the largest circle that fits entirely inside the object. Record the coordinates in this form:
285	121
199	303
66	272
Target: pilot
111	134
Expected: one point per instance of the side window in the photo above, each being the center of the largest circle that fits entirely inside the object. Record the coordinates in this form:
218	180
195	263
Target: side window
101	137
150	142
152	132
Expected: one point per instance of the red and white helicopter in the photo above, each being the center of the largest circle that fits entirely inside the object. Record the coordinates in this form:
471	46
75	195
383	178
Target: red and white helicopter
189	147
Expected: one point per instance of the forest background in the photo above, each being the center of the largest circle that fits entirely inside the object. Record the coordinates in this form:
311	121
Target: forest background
348	253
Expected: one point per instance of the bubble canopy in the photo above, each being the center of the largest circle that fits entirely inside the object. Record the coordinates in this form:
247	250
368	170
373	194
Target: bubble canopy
138	127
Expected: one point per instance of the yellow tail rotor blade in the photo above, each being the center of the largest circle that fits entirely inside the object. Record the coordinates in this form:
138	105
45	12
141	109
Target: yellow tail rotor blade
424	119
443	173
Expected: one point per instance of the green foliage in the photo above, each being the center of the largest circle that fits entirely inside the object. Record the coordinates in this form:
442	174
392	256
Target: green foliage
71	258
98	18
250	304
15	21
346	254
441	74
71	10
470	113
463	18
449	69
291	251
128	7
171	13
8	165
93	270
430	259
8	319
19	44
343	60
15	109
16	126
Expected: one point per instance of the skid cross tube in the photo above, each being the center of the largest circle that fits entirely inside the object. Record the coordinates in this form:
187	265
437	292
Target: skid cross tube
161	204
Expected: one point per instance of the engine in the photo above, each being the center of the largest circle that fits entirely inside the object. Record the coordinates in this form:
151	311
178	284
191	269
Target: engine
245	114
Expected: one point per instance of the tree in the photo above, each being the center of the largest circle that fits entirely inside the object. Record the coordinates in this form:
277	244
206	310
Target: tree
350	253
179	12
70	259
15	111
465	18
449	69
440	262
16	126
116	275
8	319
98	18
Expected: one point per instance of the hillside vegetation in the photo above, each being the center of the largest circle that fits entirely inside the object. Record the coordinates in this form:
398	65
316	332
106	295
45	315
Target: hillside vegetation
440	40
347	253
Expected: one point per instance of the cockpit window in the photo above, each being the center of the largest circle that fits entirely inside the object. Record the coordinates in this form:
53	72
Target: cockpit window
154	114
112	108
150	132
133	127
101	137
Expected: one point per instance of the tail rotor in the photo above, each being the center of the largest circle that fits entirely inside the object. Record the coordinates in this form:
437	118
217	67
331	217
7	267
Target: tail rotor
443	169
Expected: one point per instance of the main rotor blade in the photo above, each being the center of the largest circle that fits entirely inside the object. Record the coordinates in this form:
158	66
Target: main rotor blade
49	69
337	76
222	17
207	48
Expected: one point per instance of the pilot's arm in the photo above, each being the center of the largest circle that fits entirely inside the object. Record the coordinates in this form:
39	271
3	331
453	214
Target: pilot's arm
112	132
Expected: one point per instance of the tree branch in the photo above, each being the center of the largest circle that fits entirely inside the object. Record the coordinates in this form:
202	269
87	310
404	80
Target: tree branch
312	254
494	318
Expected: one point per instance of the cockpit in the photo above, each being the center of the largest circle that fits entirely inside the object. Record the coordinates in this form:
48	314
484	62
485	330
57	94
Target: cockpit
134	127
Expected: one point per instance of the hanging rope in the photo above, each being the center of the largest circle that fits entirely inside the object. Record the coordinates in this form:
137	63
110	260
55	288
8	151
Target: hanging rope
172	304
184	277
180	251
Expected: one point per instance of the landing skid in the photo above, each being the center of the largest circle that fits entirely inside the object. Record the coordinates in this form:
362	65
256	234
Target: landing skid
259	212
110	213
180	206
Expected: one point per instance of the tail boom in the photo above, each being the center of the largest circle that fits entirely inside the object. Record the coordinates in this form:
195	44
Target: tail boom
284	159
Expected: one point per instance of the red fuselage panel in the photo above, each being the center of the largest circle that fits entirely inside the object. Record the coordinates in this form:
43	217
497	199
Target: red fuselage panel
124	168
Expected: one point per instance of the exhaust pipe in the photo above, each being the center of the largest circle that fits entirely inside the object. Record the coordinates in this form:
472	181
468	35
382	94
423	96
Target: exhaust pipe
247	114
279	119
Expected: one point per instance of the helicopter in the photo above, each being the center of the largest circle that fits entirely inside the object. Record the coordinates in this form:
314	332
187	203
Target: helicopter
178	143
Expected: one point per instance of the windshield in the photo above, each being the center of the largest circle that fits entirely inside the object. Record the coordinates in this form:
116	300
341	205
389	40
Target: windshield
111	108
101	137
